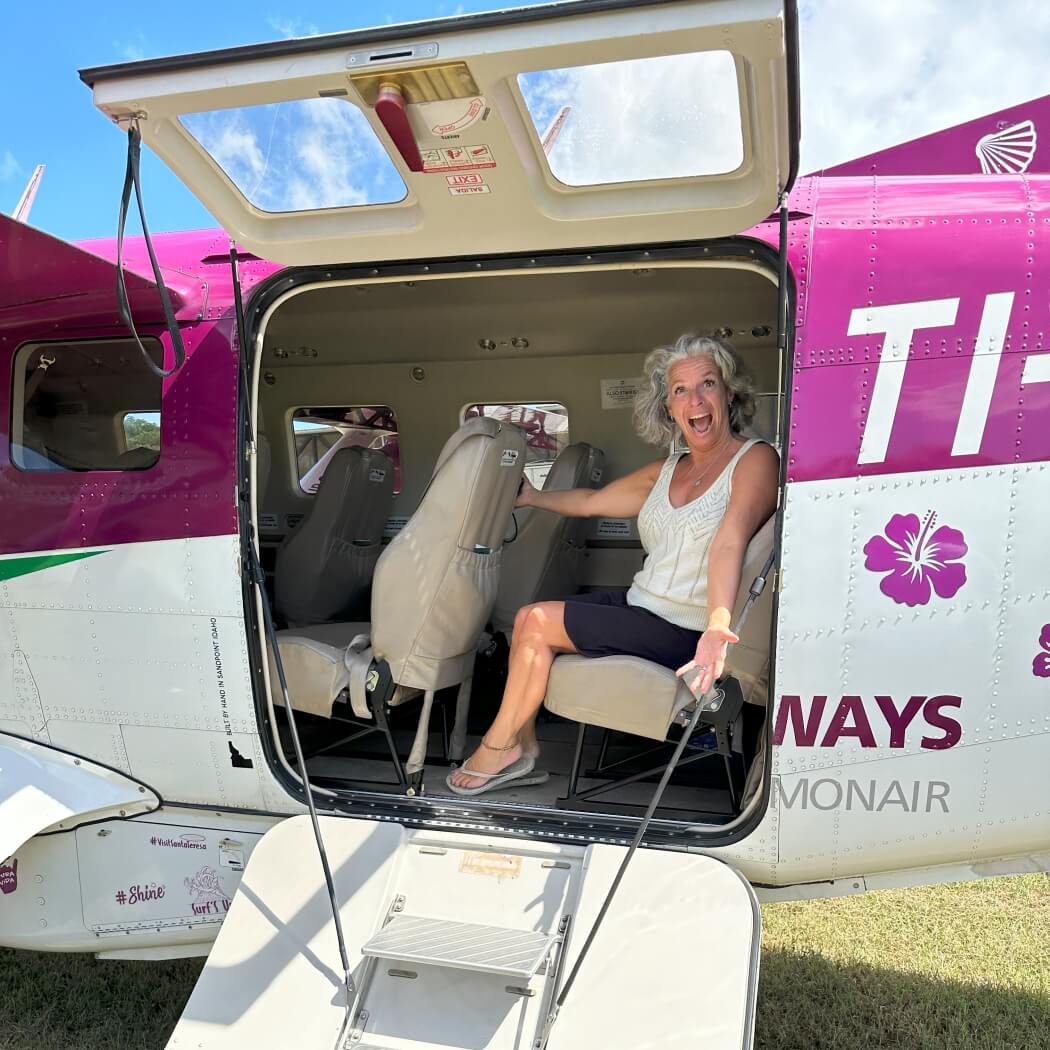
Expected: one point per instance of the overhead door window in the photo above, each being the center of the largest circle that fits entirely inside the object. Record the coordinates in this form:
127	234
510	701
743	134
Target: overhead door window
670	117
302	155
91	405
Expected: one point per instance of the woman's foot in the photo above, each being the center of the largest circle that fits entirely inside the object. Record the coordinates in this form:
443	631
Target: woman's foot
487	759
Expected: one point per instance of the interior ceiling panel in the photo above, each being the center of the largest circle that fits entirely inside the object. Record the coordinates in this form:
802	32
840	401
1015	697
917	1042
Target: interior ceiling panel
593	312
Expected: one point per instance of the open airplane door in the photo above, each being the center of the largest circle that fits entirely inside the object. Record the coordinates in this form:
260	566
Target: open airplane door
428	140
458	941
669	120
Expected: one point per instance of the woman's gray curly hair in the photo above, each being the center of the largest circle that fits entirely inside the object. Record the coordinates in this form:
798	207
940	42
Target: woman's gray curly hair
652	419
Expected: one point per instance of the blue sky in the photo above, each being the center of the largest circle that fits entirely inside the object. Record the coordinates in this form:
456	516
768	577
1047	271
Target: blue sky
872	75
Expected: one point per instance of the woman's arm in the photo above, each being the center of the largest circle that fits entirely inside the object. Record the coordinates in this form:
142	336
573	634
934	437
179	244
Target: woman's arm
753	500
622	498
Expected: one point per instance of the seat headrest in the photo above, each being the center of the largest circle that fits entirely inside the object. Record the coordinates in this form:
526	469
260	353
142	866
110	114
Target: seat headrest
574	468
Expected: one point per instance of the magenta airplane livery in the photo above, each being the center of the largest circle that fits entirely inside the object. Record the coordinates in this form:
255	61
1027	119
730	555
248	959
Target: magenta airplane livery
259	561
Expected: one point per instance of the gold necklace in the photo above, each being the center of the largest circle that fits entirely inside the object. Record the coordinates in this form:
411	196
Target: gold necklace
714	459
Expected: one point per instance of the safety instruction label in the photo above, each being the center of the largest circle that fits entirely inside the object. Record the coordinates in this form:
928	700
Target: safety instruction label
458	158
620	393
376	474
615	528
466	184
393	526
501	865
509	457
435	123
268	521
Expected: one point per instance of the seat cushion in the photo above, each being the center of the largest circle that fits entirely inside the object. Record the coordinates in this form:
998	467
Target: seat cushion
624	693
314	665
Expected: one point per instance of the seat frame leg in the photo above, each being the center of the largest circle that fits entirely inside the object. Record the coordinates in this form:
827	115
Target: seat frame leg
577	761
379	709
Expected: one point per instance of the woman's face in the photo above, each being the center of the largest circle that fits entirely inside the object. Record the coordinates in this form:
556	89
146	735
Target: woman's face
698	402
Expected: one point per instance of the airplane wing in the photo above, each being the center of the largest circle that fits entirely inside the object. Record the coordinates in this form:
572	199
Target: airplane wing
1003	143
51	283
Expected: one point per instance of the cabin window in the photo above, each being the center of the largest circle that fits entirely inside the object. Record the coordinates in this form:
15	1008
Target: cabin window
546	426
92	405
302	155
670	117
318	433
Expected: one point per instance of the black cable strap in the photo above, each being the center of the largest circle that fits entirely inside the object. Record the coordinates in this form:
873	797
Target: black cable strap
131	180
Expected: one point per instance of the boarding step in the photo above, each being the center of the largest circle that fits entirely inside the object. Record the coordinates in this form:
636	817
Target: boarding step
461	946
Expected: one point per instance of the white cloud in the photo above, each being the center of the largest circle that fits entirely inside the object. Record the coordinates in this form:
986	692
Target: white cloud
295	156
621	128
133	50
291	27
874	75
9	167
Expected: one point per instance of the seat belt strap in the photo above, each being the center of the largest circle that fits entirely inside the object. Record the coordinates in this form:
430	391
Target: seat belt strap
457	745
418	755
358	661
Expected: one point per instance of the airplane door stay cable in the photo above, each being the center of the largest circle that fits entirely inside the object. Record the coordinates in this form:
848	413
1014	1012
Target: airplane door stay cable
131	181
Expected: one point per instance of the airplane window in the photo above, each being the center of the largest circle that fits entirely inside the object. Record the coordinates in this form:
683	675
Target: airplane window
302	155
670	117
546	426
92	405
319	433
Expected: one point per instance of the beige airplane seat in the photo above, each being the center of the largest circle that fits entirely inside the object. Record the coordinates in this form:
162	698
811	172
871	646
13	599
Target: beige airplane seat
545	561
324	568
433	593
630	695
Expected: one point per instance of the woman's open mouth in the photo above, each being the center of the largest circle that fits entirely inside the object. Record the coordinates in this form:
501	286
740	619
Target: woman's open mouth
700	425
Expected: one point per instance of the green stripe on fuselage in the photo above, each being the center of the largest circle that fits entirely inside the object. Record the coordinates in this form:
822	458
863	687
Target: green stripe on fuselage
12	567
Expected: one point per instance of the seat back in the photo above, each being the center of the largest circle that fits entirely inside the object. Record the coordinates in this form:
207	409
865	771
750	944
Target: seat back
436	582
748	661
545	561
324	568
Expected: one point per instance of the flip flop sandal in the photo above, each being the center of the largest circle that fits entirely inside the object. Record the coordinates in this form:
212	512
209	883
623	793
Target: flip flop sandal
517	773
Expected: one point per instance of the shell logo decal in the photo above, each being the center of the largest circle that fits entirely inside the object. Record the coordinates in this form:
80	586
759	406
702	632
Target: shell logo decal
1008	151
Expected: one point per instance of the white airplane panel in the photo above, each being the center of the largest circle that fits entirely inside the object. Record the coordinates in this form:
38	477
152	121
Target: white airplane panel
197	765
19	695
919	810
164	576
160	669
1024	544
101	740
145	876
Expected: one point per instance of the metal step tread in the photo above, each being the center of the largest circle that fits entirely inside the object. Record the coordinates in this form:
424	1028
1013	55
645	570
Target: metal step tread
461	945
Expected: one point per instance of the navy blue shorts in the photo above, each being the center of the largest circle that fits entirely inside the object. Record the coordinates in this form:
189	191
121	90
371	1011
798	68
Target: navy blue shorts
601	623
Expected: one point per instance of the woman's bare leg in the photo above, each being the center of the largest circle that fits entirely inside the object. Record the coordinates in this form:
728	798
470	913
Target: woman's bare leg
539	635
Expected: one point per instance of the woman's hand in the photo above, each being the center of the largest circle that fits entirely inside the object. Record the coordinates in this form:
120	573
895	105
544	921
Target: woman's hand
526	494
710	659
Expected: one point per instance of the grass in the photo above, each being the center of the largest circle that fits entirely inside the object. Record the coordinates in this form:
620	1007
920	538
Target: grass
935	968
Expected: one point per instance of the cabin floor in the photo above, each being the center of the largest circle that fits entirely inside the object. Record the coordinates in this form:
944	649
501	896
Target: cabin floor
697	793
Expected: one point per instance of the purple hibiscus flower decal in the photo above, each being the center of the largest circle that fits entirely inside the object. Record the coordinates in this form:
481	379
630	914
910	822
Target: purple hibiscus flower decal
1041	663
917	557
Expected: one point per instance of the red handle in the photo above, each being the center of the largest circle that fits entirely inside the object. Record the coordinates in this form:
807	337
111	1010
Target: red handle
392	114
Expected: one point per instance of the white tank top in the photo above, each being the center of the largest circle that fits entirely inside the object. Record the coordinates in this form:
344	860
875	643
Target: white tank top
672	582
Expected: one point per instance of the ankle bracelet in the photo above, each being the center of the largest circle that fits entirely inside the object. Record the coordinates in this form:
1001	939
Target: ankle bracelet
491	748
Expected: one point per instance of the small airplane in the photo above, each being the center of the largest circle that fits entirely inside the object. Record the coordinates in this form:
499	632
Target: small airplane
215	657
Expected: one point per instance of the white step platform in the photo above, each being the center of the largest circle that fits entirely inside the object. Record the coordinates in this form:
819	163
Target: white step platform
459	940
